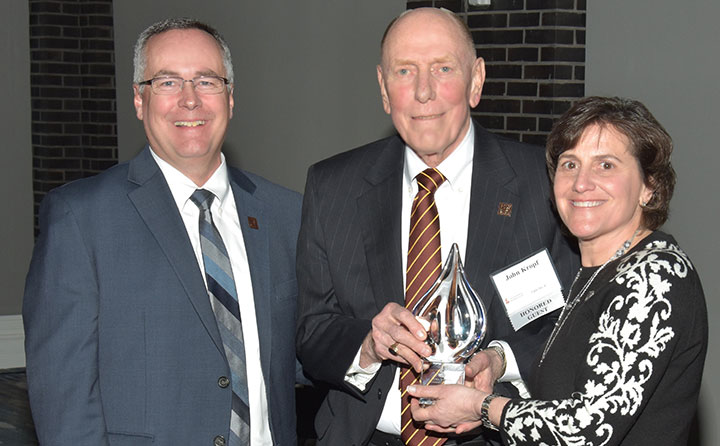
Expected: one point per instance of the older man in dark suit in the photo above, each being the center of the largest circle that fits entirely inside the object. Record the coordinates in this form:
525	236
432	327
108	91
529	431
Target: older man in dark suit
358	243
160	303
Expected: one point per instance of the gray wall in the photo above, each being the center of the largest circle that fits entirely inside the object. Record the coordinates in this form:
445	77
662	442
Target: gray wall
305	84
16	222
665	53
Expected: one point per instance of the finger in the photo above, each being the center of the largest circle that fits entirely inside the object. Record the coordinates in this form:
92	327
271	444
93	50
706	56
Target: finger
406	318
388	328
394	346
420	413
384	326
409	347
436	428
477	364
424	391
393	349
408	356
403	326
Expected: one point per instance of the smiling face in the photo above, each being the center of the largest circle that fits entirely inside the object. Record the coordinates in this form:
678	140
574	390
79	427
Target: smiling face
429	79
599	188
185	129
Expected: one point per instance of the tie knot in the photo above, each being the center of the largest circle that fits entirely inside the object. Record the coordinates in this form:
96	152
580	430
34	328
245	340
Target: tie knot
430	179
202	198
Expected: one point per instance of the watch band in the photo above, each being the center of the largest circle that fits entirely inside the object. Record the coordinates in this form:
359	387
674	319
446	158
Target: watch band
484	416
501	352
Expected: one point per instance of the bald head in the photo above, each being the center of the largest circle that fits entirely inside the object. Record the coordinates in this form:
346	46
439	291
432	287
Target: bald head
455	26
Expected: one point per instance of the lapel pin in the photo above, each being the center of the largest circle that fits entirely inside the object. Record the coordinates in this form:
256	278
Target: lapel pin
252	221
504	209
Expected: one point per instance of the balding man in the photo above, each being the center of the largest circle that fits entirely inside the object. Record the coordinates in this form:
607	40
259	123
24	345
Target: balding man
358	243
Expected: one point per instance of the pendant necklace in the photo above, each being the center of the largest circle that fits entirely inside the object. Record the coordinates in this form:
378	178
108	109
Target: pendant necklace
570	306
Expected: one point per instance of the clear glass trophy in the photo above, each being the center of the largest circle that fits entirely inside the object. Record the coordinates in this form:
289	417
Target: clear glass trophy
455	320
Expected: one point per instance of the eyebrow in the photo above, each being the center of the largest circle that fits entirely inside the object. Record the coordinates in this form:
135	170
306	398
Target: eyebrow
176	74
594	157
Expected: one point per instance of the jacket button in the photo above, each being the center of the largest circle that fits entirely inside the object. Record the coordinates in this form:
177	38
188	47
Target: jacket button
379	394
219	441
223	382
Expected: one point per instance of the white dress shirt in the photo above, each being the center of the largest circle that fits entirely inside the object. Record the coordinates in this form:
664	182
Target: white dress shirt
452	199
225	217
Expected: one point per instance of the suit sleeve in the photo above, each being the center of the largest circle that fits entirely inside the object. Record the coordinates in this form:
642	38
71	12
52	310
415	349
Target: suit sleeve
60	313
327	339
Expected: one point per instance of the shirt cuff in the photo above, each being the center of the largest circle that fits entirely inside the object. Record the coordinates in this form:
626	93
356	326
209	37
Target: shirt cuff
359	377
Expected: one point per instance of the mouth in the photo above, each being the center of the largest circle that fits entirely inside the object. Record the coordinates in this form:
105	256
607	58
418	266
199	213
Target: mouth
427	117
189	123
586	204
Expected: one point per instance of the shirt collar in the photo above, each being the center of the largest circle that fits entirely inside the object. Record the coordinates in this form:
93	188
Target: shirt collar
451	167
183	187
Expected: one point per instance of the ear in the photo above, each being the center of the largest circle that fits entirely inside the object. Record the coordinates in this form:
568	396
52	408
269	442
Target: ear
138	101
477	81
383	90
231	100
647	192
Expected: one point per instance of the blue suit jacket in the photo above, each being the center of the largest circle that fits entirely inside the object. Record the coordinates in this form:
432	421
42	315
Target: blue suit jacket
121	342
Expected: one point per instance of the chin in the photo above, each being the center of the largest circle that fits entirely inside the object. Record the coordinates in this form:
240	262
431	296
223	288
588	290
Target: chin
582	233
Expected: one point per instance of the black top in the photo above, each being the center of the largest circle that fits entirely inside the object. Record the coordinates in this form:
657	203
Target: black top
625	367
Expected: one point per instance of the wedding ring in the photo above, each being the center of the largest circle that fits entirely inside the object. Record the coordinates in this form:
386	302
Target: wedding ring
393	349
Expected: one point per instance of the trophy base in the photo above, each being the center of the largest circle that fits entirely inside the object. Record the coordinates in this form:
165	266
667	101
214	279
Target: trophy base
441	373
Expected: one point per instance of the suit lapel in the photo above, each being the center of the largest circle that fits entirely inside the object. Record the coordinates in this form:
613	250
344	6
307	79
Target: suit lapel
380	212
257	246
153	201
490	234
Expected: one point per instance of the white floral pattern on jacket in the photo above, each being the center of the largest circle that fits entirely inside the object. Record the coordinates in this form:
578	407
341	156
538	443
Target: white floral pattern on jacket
632	333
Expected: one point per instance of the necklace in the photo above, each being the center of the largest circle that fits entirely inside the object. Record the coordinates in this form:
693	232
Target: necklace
570	305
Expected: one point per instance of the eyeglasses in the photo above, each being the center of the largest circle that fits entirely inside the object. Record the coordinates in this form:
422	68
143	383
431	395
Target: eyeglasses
167	85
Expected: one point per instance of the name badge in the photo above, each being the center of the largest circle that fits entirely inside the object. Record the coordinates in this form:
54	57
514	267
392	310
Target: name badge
529	288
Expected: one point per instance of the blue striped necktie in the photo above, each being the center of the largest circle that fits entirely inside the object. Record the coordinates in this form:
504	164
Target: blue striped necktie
224	300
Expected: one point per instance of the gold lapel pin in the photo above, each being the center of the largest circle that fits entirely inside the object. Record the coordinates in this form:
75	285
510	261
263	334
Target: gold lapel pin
252	221
504	209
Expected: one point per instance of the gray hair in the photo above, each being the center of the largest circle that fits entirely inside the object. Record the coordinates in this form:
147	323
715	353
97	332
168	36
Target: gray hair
140	54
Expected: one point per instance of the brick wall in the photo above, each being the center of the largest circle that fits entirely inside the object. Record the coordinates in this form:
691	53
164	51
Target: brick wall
74	130
534	53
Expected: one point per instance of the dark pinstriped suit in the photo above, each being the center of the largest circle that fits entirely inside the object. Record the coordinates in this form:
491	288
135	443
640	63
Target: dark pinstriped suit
350	261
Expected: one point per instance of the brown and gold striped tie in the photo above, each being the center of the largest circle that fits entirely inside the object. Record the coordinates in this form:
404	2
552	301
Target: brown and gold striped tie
423	267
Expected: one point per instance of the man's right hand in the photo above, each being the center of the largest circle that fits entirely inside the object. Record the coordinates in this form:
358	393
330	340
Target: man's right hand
395	326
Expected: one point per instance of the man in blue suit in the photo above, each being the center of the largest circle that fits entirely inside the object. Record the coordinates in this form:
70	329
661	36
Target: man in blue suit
122	342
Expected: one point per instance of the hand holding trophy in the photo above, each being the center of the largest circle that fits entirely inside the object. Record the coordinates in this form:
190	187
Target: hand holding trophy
455	320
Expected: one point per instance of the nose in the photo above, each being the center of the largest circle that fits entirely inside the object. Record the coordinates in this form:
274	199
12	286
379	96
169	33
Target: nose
424	87
584	180
188	97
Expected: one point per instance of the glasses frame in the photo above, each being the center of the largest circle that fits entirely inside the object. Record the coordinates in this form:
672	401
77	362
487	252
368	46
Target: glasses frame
149	82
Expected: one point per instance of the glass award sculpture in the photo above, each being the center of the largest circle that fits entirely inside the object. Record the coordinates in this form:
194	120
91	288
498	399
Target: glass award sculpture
455	320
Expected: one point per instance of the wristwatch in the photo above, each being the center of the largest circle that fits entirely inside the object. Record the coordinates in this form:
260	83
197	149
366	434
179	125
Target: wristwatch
501	352
484	416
